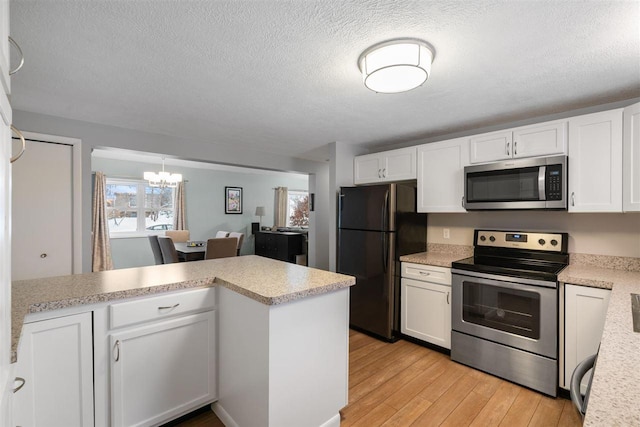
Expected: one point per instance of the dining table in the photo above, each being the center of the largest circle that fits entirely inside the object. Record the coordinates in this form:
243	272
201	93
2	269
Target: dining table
188	252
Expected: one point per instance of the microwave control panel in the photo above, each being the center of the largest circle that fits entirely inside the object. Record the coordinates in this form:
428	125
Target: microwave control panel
553	186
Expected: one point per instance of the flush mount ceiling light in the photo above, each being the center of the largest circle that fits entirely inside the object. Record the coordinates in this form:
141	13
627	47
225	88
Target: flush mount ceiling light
396	65
163	179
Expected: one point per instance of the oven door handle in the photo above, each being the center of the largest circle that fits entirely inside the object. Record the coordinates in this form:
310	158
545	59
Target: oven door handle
500	278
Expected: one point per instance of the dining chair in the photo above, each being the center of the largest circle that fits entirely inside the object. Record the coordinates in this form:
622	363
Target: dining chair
220	234
240	237
155	248
221	247
178	236
169	253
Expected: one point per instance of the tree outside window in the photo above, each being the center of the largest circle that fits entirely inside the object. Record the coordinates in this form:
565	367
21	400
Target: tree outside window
298	209
133	207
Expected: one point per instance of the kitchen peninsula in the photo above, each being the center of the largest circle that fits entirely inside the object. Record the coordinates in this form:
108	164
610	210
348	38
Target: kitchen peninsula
272	349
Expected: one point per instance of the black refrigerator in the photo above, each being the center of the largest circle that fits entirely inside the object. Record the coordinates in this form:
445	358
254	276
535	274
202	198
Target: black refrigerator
376	226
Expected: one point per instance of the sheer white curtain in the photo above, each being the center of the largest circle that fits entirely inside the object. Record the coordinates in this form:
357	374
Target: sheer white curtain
282	200
180	213
100	229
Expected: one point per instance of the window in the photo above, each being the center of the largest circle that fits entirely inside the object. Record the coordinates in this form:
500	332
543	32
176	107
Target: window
298	209
134	208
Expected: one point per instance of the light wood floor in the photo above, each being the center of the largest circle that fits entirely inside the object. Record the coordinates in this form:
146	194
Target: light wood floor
404	384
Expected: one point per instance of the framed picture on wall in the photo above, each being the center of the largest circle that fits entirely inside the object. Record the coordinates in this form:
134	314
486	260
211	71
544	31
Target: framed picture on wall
233	200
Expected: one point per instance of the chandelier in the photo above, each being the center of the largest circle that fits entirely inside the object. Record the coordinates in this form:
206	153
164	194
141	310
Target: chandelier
163	179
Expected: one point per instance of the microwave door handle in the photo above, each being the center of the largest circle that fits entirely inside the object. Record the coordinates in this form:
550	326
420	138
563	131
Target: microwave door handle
542	173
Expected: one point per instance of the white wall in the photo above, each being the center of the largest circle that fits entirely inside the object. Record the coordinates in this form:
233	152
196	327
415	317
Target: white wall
204	204
603	234
96	135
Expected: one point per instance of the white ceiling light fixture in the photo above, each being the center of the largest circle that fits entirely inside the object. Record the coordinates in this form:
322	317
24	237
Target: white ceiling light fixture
163	179
396	65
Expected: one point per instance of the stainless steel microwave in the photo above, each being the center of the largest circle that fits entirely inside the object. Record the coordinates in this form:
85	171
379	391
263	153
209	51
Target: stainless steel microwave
536	183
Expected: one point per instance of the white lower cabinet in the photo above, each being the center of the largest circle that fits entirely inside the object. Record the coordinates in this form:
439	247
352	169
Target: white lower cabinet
162	370
55	360
426	303
585	310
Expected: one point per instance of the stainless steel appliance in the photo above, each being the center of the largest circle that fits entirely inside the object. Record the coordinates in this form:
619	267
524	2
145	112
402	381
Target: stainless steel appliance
376	225
536	183
505	306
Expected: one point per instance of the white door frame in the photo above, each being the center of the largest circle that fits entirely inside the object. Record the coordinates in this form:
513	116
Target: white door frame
76	179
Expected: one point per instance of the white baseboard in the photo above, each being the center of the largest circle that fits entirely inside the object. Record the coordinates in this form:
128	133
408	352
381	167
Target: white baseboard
224	415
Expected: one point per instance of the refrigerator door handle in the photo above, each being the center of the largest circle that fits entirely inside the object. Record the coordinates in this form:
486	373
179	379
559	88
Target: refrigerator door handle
385	252
385	211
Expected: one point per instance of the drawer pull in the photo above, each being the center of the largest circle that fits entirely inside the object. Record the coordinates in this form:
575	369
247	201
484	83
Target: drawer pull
425	273
22	381
447	297
13	42
116	350
169	307
22	140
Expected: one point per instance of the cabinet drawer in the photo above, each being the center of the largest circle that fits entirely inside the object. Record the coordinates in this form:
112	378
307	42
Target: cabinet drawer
159	307
441	275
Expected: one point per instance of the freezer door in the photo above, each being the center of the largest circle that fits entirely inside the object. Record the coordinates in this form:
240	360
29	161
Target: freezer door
374	298
367	208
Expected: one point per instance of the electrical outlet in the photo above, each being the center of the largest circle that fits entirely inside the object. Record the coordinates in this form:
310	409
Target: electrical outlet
445	233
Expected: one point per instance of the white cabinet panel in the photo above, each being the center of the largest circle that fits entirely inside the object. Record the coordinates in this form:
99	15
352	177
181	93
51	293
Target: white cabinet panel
441	175
540	140
163	370
426	311
585	313
491	147
55	359
595	160
386	166
5	81
631	159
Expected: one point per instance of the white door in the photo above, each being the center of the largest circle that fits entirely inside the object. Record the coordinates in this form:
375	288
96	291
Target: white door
42	212
542	139
367	168
399	164
163	370
491	147
631	159
595	162
55	359
426	311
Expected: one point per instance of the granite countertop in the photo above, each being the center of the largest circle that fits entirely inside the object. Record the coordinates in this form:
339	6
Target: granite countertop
439	255
265	280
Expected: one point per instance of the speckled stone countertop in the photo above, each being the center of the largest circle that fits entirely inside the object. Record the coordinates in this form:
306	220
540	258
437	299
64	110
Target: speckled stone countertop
265	280
615	391
439	255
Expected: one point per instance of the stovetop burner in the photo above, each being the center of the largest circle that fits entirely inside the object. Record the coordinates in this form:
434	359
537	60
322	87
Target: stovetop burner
540	256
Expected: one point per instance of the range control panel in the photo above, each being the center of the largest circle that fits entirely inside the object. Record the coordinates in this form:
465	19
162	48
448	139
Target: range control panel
521	240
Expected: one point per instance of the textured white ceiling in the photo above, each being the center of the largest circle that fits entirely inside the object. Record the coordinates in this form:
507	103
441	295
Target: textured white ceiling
281	76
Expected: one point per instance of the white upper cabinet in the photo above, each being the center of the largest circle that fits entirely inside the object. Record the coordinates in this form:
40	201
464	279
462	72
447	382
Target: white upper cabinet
595	160
4	46
542	139
631	159
441	175
387	166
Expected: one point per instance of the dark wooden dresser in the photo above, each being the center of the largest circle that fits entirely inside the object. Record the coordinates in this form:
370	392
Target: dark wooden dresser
283	246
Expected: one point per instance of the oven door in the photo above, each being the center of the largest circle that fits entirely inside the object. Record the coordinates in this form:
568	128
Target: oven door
516	312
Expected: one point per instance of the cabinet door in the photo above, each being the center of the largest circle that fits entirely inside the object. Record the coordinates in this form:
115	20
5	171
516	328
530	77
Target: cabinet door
426	311
367	169
595	162
399	165
631	159
542	139
490	147
55	358
163	370
441	175
5	81
585	312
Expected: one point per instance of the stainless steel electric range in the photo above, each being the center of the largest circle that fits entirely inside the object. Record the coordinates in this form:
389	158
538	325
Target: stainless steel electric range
505	306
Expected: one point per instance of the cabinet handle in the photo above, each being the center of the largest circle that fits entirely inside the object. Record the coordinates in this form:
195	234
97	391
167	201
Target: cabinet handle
379	173
13	42
508	152
169	307
22	381
24	143
462	201
515	148
573	198
116	350
425	273
447	297
384	173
